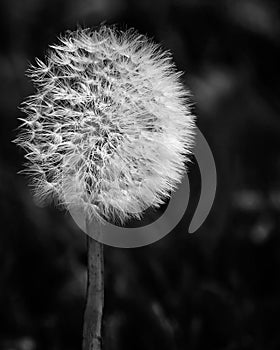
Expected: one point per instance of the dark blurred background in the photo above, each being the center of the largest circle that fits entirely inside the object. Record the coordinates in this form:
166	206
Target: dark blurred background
216	289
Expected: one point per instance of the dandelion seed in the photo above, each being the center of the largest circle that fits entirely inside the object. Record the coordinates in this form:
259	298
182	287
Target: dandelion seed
109	127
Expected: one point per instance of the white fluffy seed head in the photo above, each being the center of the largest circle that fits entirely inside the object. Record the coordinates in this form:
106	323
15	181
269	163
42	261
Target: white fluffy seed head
109	127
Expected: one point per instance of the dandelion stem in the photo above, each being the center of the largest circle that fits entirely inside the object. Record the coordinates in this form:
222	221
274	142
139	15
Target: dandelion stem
95	295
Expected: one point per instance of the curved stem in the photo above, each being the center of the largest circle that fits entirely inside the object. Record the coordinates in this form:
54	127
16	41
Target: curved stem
95	296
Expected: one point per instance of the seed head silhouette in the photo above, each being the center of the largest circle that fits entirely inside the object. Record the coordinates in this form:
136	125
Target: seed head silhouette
109	128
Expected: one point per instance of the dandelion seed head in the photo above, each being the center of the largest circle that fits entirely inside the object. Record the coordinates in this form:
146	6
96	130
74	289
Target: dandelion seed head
109	127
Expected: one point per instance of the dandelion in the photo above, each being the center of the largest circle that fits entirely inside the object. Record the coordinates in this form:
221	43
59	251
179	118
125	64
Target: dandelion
109	129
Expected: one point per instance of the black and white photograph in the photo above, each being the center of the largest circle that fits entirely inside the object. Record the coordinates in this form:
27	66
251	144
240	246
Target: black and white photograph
140	175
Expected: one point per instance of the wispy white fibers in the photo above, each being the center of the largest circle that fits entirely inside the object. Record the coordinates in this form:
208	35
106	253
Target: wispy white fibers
109	127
